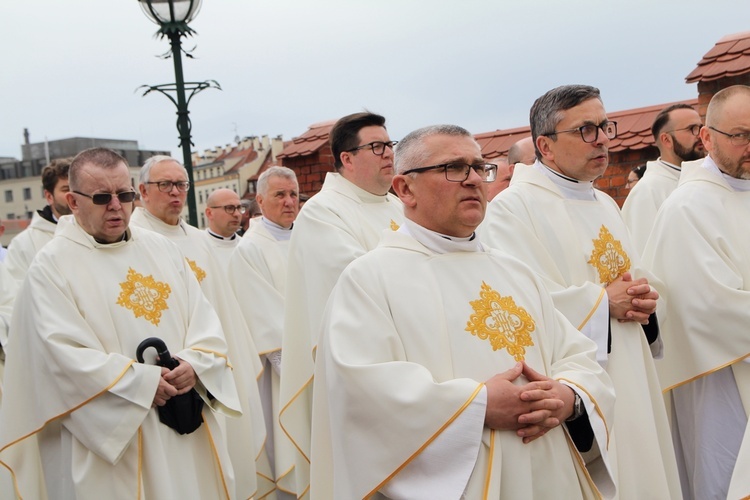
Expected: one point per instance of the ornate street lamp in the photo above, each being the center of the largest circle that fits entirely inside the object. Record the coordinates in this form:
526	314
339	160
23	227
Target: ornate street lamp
173	17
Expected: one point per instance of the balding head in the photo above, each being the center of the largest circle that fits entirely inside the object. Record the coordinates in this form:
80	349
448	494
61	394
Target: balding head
522	152
727	130
223	211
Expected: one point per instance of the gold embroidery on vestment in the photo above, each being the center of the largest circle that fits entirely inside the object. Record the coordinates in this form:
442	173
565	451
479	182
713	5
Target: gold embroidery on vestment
394	226
500	320
608	257
199	273
145	296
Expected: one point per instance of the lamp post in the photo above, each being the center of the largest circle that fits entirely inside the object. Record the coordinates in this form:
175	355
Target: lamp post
173	17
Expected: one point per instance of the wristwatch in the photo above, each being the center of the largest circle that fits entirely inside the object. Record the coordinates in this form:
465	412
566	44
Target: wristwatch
578	408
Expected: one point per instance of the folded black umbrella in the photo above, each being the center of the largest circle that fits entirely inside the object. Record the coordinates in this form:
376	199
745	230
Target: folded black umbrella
182	413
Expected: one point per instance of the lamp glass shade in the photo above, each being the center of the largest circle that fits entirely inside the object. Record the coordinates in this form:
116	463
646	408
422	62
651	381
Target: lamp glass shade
164	12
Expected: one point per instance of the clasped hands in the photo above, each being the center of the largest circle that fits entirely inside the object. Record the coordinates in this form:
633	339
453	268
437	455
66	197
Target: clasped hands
531	409
631	300
174	382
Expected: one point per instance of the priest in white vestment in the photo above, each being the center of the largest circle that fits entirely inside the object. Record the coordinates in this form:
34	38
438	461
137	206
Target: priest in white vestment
224	213
573	235
676	134
340	223
163	186
79	418
26	244
258	278
700	247
443	369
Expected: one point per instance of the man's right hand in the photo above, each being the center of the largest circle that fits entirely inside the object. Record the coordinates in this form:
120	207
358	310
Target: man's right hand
165	391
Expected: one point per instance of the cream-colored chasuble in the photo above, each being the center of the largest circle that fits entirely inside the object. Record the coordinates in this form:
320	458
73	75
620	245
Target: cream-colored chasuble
247	434
26	244
339	224
77	419
258	277
409	336
700	247
643	201
222	249
578	247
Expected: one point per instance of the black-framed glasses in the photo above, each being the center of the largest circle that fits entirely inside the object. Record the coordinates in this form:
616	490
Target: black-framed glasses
230	209
378	147
459	172
590	132
105	198
166	186
694	129
742	139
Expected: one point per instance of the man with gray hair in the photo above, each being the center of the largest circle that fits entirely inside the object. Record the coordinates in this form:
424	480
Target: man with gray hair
164	188
448	362
573	235
79	417
258	276
699	247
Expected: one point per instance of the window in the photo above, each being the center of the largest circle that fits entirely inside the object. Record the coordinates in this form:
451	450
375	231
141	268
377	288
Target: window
26	193
8	196
200	196
11	216
29	215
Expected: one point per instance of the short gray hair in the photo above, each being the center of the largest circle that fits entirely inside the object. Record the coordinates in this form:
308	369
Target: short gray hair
410	151
715	108
275	171
145	174
546	112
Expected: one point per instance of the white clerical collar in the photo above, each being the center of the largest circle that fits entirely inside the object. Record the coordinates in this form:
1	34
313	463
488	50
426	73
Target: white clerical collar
736	184
279	233
669	165
440	243
571	189
220	237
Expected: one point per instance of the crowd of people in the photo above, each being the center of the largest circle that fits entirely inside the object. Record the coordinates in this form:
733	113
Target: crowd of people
399	337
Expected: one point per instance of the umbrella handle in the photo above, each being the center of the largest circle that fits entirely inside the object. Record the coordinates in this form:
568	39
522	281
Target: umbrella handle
165	359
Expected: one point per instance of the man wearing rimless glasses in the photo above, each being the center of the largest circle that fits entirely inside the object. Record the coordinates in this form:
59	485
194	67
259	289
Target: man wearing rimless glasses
676	132
224	213
92	294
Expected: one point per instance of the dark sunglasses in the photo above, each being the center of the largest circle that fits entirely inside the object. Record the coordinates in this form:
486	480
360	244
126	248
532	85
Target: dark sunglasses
105	198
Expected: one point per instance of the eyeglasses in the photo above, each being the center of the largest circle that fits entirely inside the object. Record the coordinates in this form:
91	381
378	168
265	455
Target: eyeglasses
590	133
459	172
694	129
378	147
230	209
166	186
742	139
105	198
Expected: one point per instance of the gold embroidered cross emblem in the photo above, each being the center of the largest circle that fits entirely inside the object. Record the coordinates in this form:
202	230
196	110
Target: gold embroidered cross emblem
200	274
500	320
144	296
608	257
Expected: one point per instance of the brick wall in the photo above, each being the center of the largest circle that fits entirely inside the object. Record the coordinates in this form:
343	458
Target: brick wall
614	180
311	169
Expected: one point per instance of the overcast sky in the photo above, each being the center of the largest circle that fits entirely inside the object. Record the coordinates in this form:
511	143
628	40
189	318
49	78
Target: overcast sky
71	67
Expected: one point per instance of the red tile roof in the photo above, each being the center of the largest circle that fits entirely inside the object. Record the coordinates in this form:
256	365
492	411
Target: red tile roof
729	57
633	131
309	142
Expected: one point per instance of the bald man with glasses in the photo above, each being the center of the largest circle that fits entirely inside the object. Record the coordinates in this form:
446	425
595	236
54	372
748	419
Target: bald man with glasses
340	223
224	214
676	132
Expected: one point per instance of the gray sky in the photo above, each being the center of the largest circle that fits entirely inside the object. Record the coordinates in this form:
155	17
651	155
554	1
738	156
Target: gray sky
71	67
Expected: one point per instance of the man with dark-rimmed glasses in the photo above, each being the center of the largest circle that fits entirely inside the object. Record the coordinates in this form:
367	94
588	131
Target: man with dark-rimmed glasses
676	132
87	414
164	186
340	223
553	219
